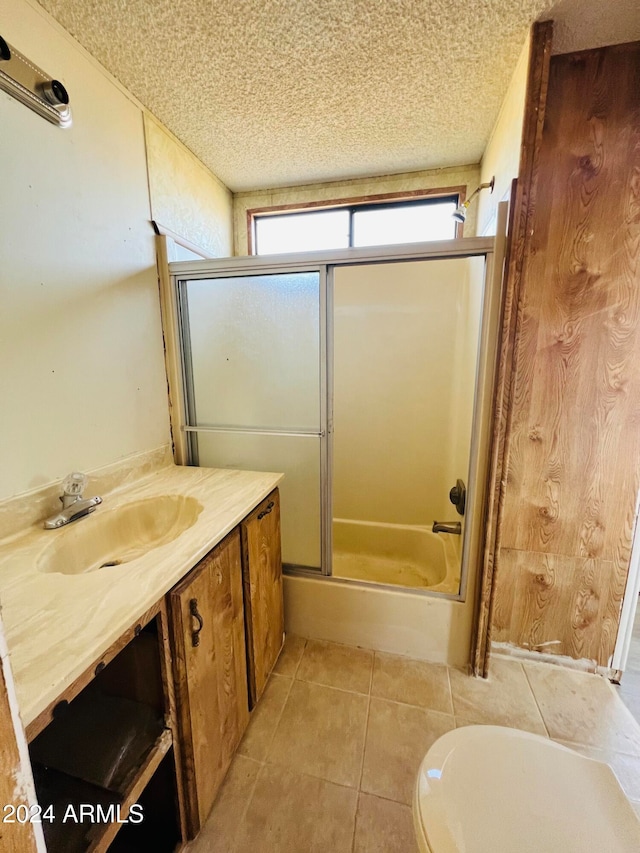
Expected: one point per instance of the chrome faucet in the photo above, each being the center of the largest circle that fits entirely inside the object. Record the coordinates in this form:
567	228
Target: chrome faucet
74	506
454	527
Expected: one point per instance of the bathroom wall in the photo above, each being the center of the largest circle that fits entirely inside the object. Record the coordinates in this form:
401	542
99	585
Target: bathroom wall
406	338
185	196
466	176
83	382
573	444
502	154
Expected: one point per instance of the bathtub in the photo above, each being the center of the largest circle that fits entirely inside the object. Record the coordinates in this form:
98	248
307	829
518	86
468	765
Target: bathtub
409	556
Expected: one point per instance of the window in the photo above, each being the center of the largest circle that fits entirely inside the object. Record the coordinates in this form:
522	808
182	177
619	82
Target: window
354	225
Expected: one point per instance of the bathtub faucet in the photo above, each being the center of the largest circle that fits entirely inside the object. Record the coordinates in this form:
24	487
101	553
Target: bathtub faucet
454	527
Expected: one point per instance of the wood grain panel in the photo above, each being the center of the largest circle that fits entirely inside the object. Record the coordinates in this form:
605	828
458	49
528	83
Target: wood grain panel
14	837
573	444
559	604
575	420
262	576
520	215
210	673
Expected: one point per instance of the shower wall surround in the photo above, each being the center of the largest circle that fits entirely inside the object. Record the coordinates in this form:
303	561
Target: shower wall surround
405	350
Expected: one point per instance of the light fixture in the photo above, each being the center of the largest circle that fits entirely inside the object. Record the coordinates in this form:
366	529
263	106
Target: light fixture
31	86
460	213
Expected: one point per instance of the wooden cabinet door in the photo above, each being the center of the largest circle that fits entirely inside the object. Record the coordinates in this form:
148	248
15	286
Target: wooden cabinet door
262	577
210	672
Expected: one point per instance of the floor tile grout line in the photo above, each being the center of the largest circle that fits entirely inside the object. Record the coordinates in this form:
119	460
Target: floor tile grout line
366	728
285	768
275	728
386	798
453	707
535	699
355	823
304	649
332	686
244	811
418	707
275	671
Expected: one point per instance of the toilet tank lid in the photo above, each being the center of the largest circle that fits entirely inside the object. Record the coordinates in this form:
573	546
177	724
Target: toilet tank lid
492	788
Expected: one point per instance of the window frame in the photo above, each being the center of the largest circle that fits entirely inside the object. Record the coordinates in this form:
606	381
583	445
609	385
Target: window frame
378	201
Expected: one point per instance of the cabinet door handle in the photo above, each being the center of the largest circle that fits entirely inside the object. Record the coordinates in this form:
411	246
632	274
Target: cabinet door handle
270	506
193	609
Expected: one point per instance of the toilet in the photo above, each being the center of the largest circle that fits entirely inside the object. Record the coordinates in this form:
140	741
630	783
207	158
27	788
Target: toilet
491	789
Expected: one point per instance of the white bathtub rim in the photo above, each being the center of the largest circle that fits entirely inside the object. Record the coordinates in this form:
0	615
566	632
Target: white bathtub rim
313	574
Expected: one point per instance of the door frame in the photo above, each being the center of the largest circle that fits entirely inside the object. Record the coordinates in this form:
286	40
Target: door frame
629	604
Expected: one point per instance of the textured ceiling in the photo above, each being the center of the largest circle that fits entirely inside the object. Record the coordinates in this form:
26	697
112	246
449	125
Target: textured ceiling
582	24
276	92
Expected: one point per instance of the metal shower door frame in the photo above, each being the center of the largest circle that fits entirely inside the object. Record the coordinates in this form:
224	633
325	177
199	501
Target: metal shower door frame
324	263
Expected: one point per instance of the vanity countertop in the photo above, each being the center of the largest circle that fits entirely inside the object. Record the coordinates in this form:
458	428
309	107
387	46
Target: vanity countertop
56	624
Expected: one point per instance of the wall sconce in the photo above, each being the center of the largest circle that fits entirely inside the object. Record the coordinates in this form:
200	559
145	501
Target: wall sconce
32	87
460	213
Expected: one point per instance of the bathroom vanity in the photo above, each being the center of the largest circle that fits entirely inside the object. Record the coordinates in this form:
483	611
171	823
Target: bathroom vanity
136	675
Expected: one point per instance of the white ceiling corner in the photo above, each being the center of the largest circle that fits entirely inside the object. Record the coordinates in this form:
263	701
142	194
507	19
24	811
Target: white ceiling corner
585	24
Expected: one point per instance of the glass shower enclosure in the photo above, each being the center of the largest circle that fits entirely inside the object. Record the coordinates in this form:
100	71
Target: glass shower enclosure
254	374
356	374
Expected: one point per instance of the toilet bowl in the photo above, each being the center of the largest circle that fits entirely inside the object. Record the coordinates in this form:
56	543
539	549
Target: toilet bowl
490	789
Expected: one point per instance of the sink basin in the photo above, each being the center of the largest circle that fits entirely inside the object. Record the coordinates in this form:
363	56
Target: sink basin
109	538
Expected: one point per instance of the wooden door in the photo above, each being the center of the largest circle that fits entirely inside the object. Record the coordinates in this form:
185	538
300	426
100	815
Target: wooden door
209	665
262	577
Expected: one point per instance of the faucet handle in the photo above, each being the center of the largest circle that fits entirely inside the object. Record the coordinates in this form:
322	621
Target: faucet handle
75	483
458	496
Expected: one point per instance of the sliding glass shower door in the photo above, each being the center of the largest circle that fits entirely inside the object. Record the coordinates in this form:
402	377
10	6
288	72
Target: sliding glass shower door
406	342
357	376
254	376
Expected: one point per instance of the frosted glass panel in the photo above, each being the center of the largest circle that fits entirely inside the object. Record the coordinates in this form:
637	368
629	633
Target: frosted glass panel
406	339
299	459
255	349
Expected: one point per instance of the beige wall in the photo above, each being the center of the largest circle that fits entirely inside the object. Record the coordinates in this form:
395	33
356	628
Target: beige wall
502	154
432	179
406	340
185	196
83	380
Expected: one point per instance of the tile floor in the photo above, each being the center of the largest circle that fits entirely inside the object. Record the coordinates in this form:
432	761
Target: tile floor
329	760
